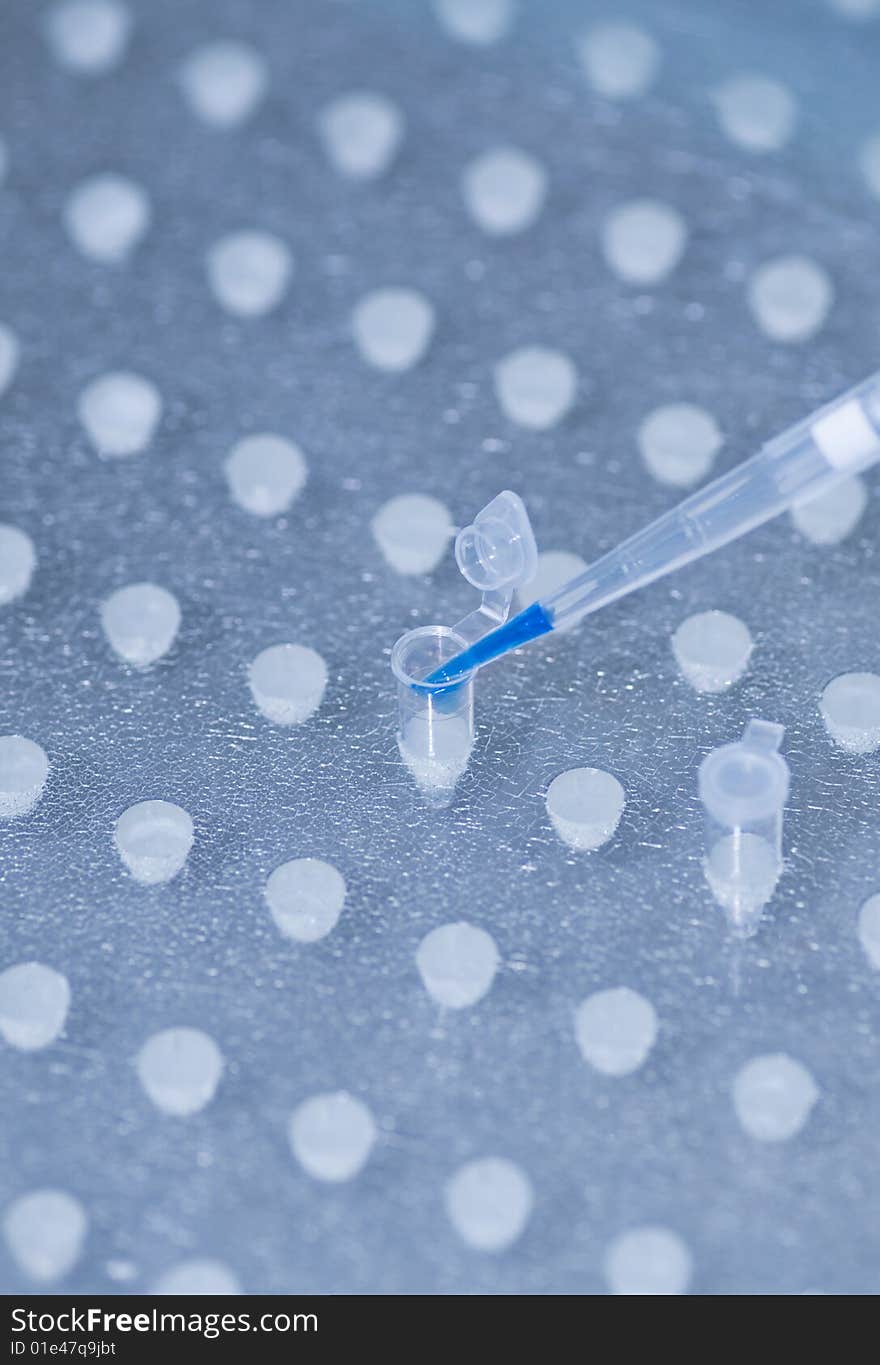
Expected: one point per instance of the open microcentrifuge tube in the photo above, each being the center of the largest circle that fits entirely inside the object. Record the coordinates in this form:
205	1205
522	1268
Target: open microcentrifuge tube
743	788
497	555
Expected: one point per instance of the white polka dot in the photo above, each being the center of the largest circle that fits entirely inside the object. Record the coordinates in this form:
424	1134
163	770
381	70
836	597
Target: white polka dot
287	683
140	622
413	532
643	241
9	352
773	1097
265	473
790	298
620	60
678	443
869	930
223	82
869	164
34	1001
475	21
489	1203
106	217
712	649
504	190
198	1277
249	272
457	964
535	386
121	1270
856	10
305	897
555	567
829	519
18	559
742	870
45	1231
120	412
648	1260
332	1135
153	839
850	708
756	113
615	1030
585	806
392	328
361	133
88	36
24	768
180	1069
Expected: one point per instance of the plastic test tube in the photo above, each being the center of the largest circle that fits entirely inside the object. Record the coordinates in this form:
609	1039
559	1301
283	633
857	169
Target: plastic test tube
497	555
435	721
743	788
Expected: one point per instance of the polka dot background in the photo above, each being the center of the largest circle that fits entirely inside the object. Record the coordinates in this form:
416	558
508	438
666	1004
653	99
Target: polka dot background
265	1110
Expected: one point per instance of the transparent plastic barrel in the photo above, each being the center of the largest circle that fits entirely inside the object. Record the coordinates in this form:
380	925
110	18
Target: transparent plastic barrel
803	462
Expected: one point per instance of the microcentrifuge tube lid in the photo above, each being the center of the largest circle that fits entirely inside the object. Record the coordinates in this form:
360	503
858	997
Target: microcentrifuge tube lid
497	554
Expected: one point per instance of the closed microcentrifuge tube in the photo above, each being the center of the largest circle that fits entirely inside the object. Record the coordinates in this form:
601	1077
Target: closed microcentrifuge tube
743	788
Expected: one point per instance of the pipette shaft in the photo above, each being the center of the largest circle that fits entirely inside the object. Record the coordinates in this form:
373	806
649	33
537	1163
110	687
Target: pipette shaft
812	456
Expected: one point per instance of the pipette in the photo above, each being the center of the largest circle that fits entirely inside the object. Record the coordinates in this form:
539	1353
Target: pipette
803	462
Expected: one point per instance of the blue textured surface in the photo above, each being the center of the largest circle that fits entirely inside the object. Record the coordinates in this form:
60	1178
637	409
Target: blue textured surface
662	1146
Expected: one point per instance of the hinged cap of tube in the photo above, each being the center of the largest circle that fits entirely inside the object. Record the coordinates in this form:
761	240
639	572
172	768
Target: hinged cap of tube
498	550
747	781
